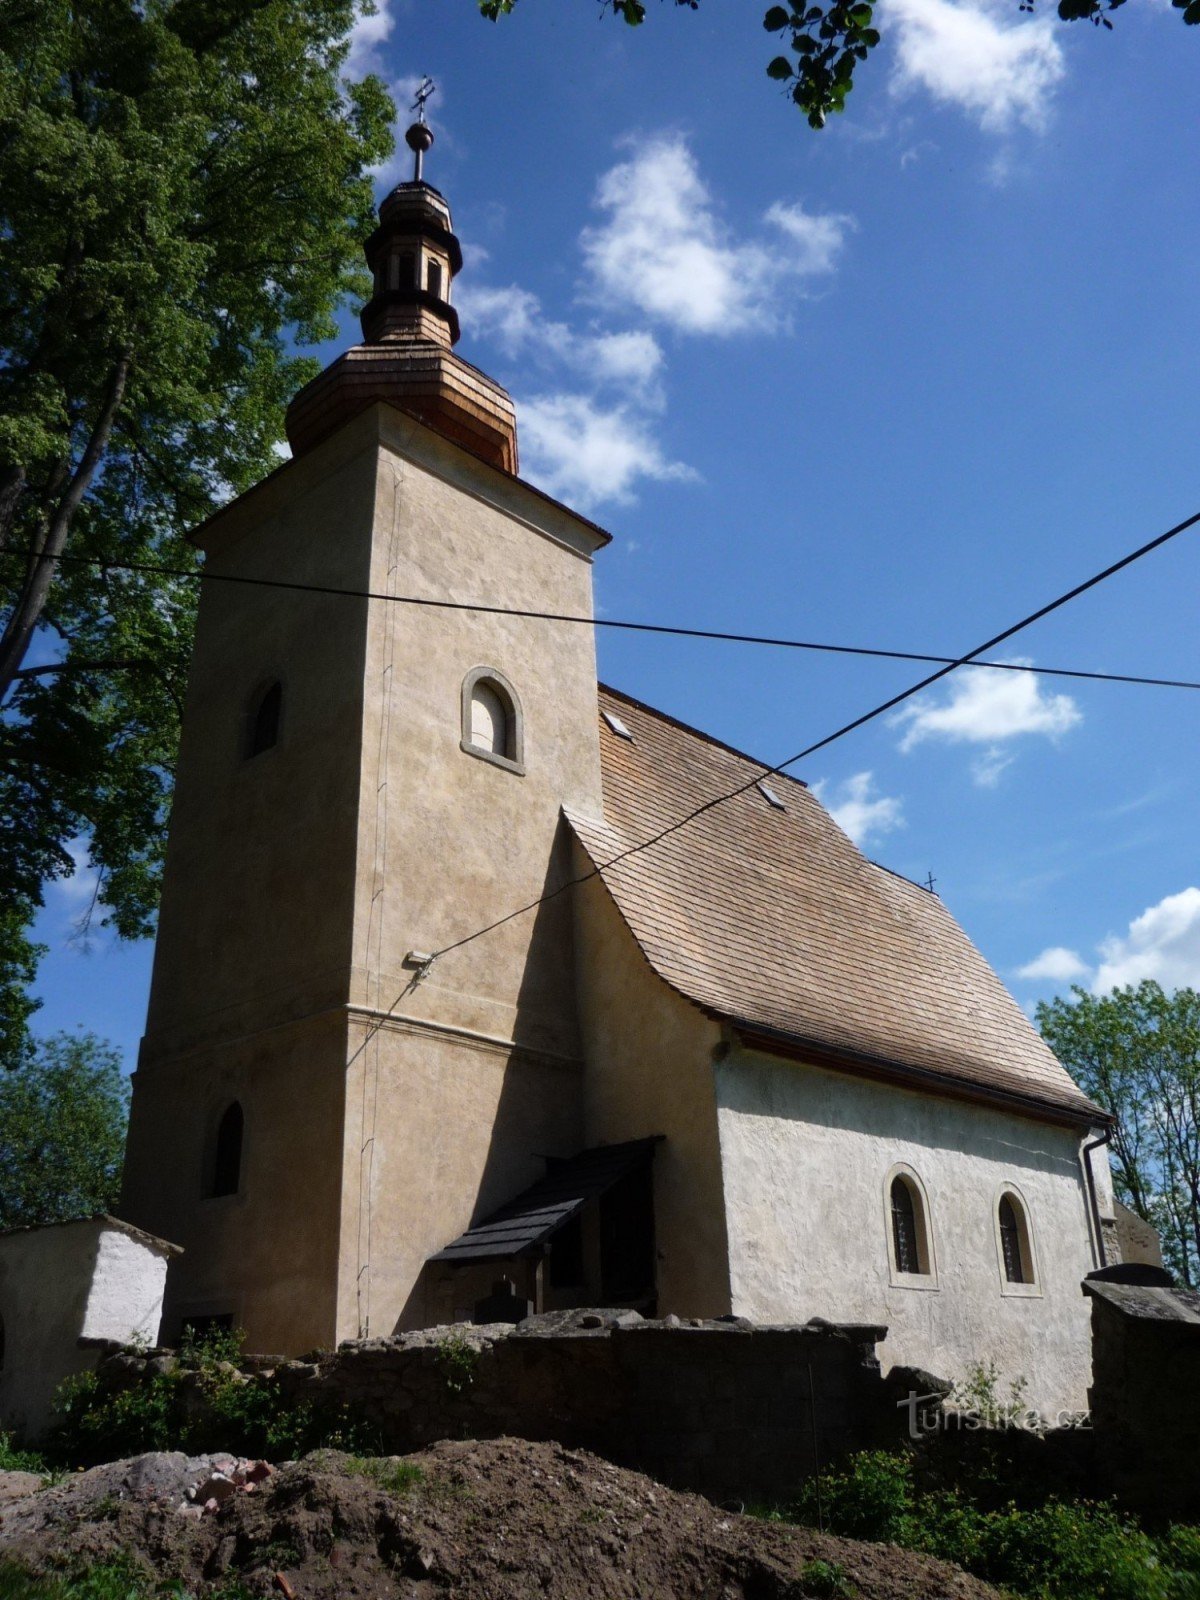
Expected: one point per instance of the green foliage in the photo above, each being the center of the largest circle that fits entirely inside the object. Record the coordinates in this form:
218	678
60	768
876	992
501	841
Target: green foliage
14	1460
204	1404
978	1392
1136	1051
122	1579
458	1360
826	1580
1058	1550
393	1474
185	185
828	42
63	1112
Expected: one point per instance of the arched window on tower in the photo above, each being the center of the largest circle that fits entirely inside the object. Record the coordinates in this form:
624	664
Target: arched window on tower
492	724
433	278
227	1152
262	722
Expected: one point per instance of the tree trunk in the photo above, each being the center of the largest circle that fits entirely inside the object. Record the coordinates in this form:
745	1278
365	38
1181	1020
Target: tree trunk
24	619
12	486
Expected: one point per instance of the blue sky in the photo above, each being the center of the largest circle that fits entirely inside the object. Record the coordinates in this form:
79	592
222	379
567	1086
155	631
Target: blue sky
893	384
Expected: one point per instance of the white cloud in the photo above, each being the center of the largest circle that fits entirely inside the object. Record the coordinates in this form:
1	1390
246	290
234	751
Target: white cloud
513	318
368	35
663	249
1163	943
987	707
586	453
859	813
1057	964
975	55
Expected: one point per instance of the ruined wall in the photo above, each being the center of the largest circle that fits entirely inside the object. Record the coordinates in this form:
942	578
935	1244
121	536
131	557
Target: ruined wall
1145	1394
721	1407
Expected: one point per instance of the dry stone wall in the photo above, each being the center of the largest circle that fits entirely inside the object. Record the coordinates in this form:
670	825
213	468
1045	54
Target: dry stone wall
725	1407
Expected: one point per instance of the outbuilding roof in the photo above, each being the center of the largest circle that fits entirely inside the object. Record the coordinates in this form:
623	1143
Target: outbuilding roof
522	1226
765	914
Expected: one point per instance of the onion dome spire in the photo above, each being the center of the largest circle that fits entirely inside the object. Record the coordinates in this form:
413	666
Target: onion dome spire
409	328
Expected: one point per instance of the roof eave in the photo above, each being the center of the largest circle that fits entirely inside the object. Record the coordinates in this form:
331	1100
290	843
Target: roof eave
774	1041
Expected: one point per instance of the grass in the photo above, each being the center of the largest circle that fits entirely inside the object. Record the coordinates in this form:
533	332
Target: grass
14	1460
393	1475
121	1579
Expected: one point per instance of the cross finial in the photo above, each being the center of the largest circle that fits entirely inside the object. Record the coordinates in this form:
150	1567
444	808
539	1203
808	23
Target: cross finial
930	880
420	136
425	88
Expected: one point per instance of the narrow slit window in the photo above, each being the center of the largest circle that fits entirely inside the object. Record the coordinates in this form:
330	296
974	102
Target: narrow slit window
263	733
433	278
227	1152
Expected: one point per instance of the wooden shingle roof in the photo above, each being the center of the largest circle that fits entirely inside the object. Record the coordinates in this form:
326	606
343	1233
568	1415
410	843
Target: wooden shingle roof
773	921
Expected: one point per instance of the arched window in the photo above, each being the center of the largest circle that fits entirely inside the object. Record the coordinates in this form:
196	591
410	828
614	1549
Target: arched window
227	1152
262	724
492	725
1014	1241
910	1240
433	278
904	1227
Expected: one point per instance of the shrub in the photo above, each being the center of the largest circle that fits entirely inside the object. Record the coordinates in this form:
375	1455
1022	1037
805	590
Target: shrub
1060	1550
14	1460
204	1404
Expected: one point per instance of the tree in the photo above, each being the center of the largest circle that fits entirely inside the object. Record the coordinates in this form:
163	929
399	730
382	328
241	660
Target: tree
827	42
1137	1052
184	186
62	1131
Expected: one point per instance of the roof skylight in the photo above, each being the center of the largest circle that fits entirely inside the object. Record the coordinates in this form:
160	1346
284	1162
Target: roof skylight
617	726
770	796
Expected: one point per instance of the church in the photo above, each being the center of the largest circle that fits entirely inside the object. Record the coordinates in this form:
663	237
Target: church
470	969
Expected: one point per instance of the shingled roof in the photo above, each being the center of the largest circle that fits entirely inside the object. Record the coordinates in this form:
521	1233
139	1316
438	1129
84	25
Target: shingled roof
772	920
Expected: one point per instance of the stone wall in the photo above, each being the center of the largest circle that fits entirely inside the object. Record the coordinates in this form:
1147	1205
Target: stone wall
1145	1394
732	1410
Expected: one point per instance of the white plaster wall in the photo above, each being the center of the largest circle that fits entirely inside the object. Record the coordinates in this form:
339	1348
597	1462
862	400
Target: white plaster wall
126	1297
58	1284
806	1153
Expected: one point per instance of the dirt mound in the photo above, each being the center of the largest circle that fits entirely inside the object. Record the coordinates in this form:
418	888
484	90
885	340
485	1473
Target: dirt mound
501	1520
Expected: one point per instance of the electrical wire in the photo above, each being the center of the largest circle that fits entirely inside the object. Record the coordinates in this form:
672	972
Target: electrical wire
831	738
619	624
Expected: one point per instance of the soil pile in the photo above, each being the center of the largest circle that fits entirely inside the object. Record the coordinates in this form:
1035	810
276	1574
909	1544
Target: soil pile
499	1520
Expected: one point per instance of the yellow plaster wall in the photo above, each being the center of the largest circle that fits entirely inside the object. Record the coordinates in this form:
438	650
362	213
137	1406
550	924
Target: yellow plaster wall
297	882
267	1254
650	1071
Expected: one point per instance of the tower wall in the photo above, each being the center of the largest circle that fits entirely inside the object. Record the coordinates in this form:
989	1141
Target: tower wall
380	1116
451	1102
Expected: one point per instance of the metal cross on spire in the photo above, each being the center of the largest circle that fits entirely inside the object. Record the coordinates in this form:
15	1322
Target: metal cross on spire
420	136
425	88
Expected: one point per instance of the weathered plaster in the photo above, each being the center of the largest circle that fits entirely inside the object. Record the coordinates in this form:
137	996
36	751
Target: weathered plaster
297	883
63	1283
649	1071
806	1155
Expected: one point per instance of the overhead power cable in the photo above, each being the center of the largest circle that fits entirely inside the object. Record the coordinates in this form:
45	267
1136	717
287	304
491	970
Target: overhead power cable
670	630
821	744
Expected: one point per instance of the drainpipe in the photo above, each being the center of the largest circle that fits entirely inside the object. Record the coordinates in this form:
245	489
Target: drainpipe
1089	1178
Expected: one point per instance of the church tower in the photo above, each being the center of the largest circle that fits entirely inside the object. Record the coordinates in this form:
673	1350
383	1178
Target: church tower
364	781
